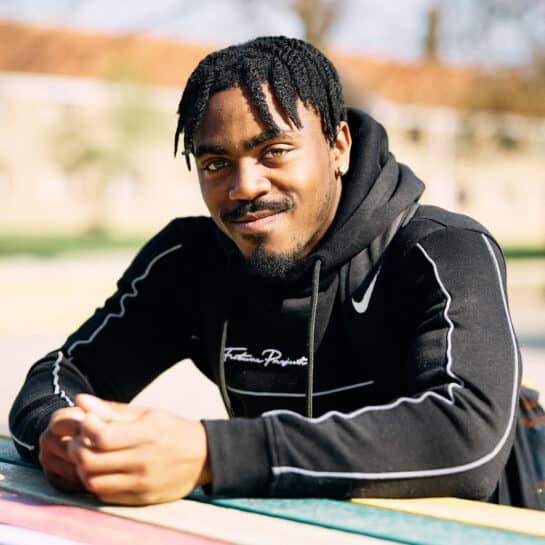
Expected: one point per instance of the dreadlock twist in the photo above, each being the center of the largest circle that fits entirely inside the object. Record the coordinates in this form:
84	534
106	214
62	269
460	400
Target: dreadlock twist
292	68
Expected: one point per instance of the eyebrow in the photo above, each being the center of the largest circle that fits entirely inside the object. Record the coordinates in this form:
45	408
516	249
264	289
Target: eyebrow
264	137
203	149
252	143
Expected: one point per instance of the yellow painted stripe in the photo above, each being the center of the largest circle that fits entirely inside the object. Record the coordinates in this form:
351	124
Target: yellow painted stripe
501	517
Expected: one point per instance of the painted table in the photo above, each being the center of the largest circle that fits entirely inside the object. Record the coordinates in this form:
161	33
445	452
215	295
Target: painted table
31	511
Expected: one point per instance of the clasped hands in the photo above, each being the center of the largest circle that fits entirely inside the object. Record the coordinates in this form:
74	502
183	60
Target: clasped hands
123	454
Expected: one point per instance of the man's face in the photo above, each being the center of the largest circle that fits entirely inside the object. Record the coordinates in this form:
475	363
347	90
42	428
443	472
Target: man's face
274	195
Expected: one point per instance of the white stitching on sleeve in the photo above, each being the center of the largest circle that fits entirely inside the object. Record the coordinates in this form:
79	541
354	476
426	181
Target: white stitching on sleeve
133	293
56	388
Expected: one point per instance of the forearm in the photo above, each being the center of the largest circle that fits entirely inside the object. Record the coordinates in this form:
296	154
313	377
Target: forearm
52	383
426	446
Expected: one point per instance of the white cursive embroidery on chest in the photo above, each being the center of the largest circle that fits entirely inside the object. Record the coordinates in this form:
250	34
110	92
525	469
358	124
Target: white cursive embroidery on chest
361	306
269	356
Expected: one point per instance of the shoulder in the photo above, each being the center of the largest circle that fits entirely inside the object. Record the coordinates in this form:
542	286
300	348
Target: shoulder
428	219
188	230
183	240
455	244
444	231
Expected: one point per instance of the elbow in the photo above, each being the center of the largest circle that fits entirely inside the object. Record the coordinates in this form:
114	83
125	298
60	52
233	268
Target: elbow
474	485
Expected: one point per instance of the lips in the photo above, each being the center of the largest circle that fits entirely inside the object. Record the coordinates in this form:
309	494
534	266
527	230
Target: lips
250	211
256	216
254	223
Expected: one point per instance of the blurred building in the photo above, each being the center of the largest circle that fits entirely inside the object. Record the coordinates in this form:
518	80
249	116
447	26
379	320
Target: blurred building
87	124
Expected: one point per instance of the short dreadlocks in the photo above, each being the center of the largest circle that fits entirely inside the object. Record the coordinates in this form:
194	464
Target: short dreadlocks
293	70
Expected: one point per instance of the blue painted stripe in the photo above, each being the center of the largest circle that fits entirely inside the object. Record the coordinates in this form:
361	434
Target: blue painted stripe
377	522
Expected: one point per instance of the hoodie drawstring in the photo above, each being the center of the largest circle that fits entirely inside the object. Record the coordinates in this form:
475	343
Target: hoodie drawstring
225	327
311	334
310	340
223	385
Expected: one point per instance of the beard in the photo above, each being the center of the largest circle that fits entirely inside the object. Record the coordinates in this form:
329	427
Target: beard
262	263
271	266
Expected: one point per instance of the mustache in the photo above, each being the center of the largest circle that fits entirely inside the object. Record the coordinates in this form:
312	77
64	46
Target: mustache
249	207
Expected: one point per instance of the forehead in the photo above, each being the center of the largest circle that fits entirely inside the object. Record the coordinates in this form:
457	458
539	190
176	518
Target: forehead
231	116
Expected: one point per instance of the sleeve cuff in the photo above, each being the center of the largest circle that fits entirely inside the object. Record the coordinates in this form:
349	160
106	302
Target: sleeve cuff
239	457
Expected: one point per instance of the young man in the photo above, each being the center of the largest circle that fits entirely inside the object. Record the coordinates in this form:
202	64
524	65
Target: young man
362	344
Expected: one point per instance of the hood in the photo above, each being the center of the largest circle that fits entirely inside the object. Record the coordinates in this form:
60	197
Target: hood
376	190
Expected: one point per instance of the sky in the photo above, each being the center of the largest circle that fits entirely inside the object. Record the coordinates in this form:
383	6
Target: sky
387	29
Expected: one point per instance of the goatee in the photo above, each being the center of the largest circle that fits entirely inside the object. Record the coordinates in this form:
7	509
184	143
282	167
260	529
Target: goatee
272	267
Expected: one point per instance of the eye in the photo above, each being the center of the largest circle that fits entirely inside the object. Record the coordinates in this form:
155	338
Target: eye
275	153
214	165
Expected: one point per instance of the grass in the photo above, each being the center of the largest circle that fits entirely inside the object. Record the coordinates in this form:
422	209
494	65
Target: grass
522	252
52	245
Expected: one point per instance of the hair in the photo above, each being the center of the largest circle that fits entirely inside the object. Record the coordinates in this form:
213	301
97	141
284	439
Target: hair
292	68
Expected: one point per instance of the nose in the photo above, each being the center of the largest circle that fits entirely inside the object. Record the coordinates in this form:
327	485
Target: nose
248	182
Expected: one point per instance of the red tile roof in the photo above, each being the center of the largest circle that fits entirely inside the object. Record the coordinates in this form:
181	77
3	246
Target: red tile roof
29	48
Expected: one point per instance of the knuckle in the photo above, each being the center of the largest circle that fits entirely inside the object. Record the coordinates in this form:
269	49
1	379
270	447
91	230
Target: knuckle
143	475
101	440
149	417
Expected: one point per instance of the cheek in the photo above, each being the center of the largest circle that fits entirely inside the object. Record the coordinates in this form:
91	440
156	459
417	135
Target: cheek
210	197
320	191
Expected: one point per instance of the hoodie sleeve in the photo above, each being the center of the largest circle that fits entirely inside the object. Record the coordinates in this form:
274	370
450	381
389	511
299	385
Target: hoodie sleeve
448	434
138	333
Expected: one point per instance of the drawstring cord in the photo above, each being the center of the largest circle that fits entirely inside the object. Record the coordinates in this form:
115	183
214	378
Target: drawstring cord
310	347
222	381
223	385
311	334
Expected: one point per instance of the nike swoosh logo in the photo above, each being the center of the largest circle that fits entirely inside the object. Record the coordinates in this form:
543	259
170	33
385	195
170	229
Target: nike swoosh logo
361	306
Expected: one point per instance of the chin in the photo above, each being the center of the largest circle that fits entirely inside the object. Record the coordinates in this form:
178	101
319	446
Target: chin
269	265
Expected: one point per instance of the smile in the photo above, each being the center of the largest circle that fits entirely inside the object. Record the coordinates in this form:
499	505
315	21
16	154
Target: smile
256	221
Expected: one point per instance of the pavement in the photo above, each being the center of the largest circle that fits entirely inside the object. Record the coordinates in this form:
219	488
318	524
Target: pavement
44	300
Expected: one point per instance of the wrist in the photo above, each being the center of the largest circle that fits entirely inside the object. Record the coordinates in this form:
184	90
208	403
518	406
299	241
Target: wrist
205	476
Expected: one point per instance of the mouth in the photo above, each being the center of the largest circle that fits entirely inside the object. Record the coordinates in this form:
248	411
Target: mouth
256	221
255	216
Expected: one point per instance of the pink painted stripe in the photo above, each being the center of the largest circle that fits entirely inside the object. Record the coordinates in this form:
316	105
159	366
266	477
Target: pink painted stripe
88	526
14	535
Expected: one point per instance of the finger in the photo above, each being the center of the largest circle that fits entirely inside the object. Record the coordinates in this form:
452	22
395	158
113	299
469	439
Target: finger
107	410
122	489
115	435
66	421
61	474
61	483
61	468
50	444
91	462
92	404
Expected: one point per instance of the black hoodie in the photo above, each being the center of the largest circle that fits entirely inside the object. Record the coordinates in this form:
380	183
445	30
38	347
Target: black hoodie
384	365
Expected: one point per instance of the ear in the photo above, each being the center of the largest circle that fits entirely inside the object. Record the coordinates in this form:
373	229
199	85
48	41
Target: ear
341	149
